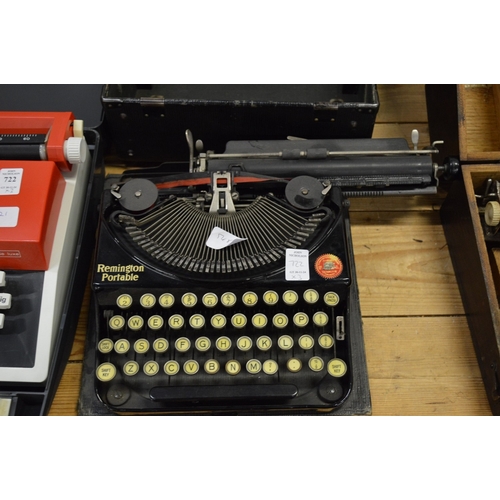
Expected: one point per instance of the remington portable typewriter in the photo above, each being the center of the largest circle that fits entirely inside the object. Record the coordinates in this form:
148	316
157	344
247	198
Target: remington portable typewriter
230	287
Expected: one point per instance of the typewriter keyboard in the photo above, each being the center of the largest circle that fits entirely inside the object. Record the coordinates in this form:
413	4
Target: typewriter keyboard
182	347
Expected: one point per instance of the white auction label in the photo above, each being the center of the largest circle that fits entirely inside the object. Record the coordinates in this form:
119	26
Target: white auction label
9	216
296	265
219	238
10	180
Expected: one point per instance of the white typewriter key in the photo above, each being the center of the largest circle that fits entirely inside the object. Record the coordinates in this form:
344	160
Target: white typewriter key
148	300
131	368
166	300
135	322
271	297
223	344
2	278
160	345
320	318
253	366
218	321
311	296
326	341
151	368
290	297
306	342
197	321
285	342
336	367
211	366
191	367
176	322
270	367
300	319
202	344
209	299
141	346
182	344
316	364
171	367
124	301
105	346
239	320
250	299
294	365
117	323
2	320
5	300
244	343
280	320
233	367
259	320
331	299
264	343
122	346
189	299
106	372
155	322
228	299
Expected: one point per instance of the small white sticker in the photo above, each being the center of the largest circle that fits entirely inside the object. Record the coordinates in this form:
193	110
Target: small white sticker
9	216
296	265
219	238
10	180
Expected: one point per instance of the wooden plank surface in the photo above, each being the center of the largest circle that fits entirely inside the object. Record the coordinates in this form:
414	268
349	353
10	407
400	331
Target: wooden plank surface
418	346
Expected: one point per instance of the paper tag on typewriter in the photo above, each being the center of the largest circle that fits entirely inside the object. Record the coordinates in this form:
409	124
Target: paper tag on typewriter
219	238
296	265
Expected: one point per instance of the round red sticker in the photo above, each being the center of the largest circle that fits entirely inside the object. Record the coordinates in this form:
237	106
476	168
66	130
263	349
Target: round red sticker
328	266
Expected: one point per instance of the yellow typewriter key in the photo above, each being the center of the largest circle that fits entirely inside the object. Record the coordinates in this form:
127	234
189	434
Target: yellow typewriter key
209	299
131	368
124	301
270	367
280	320
300	319
122	346
182	344
264	343
331	299
294	365
151	368
285	342
233	367
211	366
239	320
250	299
316	364
306	342
148	300
336	367
326	341
155	322
176	322
105	346
311	296
271	297
290	297
117	323
320	318
202	344
259	320
244	343
141	346
223	344
197	321
253	366
160	345
135	322
166	300
191	367
228	299
189	299
105	372
218	321
171	367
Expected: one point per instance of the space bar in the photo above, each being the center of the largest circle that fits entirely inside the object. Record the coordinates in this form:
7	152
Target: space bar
222	392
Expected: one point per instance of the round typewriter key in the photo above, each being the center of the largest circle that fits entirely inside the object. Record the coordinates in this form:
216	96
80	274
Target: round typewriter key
122	346
311	296
141	346
280	320
290	297
202	344
285	342
271	297
160	345
209	299
270	367
244	343
326	341
191	367
320	318
151	368
148	300
155	322
228	299
250	299
189	299
105	346
182	344
239	320
135	322
218	321
166	300
336	367
259	320
294	365
300	319
124	301
233	367
197	321
331	299
306	342
264	343
171	367
316	364
117	323
253	366
211	366
176	322
223	344
105	372
131	368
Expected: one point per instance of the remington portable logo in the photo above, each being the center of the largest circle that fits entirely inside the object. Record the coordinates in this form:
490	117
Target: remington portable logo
119	272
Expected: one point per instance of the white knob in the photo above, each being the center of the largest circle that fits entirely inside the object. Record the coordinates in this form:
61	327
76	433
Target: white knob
75	150
492	213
